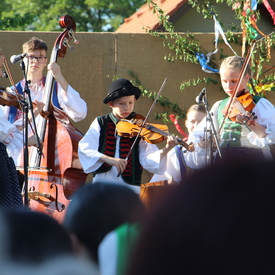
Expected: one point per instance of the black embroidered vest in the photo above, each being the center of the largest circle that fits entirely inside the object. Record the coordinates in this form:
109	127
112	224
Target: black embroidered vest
107	146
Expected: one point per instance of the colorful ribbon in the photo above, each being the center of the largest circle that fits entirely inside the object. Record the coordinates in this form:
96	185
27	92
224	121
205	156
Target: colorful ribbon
270	10
176	123
203	62
262	88
254	5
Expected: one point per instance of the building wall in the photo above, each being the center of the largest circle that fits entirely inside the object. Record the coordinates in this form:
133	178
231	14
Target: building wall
99	57
186	22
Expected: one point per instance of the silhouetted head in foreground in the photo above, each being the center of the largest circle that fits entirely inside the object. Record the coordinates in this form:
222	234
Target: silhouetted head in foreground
34	237
221	221
98	208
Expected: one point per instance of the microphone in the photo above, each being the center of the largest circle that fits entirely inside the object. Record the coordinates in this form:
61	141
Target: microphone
199	98
16	58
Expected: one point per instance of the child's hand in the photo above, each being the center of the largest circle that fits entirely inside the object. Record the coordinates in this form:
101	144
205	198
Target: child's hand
32	141
120	164
39	107
55	69
171	142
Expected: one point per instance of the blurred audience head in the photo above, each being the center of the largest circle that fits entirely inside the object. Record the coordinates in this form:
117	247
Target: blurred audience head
98	208
34	237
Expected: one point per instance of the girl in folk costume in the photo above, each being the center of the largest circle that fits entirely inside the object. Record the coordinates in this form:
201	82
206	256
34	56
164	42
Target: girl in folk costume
242	135
102	152
179	161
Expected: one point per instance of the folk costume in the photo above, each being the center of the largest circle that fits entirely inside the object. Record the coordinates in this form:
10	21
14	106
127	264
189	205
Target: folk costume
102	139
238	141
10	141
70	102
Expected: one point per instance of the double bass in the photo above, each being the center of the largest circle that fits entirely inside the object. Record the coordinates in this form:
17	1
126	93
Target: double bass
55	174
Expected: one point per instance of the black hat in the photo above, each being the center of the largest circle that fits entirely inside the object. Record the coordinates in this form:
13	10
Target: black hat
121	87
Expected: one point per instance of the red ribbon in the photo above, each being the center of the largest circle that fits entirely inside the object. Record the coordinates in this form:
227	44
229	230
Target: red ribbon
270	10
176	123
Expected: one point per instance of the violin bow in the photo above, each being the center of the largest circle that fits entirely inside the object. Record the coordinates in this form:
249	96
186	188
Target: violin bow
7	69
145	120
232	99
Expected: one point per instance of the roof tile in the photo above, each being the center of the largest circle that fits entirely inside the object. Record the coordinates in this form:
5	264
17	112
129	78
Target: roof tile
143	17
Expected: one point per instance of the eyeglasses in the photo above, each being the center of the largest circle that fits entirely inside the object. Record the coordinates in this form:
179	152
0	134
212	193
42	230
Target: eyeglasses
39	59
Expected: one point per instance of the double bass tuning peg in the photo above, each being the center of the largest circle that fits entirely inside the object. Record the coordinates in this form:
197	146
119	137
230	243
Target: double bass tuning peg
66	44
66	40
71	34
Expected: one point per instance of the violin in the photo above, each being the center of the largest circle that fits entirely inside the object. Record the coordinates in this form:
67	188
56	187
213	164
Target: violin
242	104
8	98
151	133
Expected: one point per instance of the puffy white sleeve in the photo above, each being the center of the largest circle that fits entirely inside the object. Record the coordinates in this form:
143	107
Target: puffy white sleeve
88	149
149	157
265	113
172	168
72	104
10	136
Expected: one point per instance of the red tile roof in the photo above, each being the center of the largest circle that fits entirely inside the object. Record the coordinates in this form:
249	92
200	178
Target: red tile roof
144	17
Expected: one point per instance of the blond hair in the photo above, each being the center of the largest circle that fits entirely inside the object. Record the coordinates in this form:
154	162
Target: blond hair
197	108
235	62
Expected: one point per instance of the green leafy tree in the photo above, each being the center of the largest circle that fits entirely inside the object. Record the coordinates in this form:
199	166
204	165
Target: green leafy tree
89	15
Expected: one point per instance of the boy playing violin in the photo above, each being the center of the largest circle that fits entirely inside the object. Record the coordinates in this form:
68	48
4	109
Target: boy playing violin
102	152
241	137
